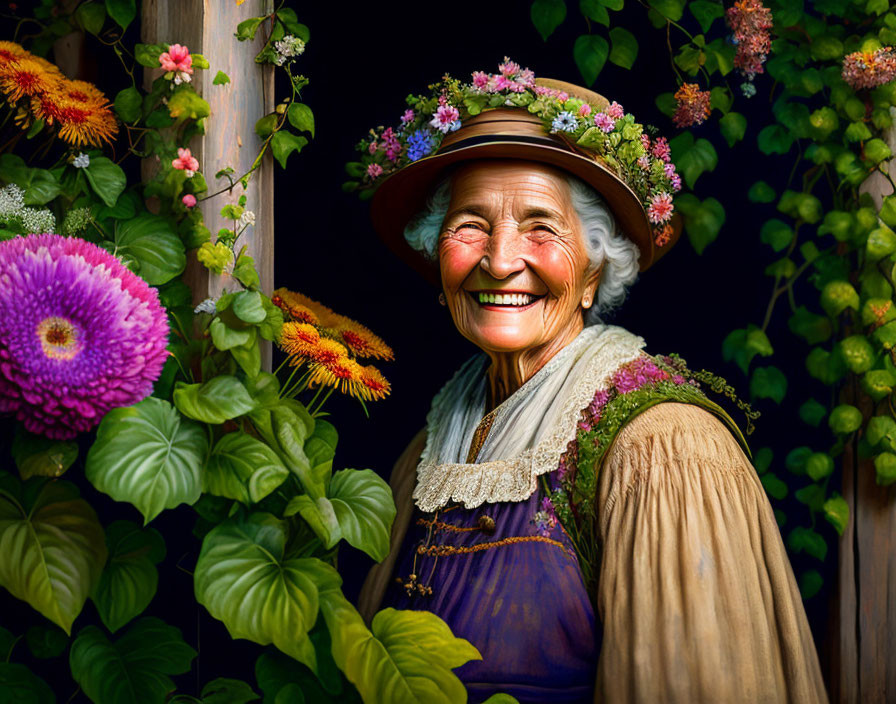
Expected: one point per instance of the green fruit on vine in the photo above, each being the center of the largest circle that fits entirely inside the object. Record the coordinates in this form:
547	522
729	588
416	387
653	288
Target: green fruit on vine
857	353
878	383
837	296
845	419
885	468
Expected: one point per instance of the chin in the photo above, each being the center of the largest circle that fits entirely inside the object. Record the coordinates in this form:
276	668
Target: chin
503	339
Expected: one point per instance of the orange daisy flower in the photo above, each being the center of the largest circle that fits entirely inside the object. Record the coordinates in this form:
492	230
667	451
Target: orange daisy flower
83	123
84	92
362	341
373	384
343	374
299	306
28	77
10	52
298	339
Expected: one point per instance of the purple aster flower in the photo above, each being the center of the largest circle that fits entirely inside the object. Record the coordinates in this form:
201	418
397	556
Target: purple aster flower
79	334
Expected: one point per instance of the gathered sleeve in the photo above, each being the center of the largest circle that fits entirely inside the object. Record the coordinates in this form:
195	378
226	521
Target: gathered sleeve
696	594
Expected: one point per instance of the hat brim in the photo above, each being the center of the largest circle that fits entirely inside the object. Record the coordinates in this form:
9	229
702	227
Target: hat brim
402	195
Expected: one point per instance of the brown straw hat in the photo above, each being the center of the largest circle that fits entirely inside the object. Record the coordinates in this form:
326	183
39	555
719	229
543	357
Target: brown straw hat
509	133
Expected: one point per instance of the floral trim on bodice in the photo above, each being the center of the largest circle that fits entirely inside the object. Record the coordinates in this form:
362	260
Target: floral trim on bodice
570	493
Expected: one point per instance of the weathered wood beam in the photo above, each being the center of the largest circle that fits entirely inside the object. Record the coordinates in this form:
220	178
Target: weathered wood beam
208	28
864	667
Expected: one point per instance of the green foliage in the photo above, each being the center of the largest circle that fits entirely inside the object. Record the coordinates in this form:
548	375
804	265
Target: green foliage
245	580
148	455
129	579
590	52
547	15
51	547
135	668
243	468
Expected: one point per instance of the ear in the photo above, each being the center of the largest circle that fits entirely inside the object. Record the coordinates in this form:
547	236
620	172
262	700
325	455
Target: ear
592	281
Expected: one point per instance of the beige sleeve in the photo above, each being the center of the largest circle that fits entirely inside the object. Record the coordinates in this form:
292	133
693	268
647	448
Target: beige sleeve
697	597
402	481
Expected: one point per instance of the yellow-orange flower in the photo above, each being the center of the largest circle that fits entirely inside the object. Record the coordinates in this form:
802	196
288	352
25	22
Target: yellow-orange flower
297	306
28	76
83	123
10	51
362	341
343	374
298	339
373	384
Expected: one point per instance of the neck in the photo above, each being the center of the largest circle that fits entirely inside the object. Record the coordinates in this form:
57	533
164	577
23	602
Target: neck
510	370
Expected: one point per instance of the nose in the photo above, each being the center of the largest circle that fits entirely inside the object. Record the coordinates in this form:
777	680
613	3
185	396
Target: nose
503	255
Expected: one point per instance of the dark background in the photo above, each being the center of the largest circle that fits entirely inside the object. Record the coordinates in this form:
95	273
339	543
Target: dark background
363	60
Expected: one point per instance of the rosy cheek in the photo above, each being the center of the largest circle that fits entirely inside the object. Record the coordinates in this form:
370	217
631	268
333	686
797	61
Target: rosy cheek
556	266
456	261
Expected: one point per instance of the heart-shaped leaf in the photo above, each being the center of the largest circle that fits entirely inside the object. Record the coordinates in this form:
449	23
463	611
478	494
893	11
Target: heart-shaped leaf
18	685
134	669
129	580
149	456
151	242
215	401
365	510
106	178
244	581
590	52
52	549
243	468
36	455
406	656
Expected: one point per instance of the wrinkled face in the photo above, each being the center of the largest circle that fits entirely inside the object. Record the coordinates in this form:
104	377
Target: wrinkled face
515	271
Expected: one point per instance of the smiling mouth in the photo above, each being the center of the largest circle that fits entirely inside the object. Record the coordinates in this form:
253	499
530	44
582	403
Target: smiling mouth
510	300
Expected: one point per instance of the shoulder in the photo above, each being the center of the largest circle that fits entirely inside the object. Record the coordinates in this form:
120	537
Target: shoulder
673	448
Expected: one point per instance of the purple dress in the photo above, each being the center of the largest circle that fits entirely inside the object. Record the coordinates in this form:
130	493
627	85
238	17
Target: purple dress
504	576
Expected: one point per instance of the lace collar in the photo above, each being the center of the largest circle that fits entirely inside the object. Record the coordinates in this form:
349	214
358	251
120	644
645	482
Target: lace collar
529	431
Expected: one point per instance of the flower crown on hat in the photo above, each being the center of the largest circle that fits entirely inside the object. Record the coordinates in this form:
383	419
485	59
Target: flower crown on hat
610	133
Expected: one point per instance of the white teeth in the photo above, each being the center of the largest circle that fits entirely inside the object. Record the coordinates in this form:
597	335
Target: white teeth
507	299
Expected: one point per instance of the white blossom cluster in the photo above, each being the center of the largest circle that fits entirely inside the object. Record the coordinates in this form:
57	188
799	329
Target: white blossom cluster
75	221
288	48
13	211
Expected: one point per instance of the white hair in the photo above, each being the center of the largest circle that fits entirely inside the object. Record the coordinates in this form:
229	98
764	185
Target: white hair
604	242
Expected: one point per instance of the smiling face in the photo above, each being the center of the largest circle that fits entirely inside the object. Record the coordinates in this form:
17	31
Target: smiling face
515	271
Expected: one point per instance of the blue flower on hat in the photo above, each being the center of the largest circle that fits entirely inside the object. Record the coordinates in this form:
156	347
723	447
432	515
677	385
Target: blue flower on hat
420	143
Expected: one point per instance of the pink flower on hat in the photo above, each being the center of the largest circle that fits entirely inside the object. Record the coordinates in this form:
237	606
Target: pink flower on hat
603	121
178	61
189	200
660	208
374	171
661	149
446	119
615	110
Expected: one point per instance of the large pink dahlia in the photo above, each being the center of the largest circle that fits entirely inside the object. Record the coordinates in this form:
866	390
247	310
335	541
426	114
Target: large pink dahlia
79	334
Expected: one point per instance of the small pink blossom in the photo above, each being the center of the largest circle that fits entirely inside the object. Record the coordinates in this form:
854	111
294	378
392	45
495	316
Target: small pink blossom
186	162
372	147
509	68
391	144
177	60
676	182
407	117
562	96
585	110
603	121
644	162
480	80
660	209
189	200
526	78
502	82
645	140
374	171
615	110
661	149
446	119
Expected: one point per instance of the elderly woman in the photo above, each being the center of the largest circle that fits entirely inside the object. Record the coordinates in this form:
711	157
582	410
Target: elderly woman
577	509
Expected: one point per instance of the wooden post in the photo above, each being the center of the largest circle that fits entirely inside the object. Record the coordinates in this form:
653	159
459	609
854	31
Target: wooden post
208	28
864	667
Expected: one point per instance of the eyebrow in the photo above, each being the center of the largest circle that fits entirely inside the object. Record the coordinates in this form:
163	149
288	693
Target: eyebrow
477	210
